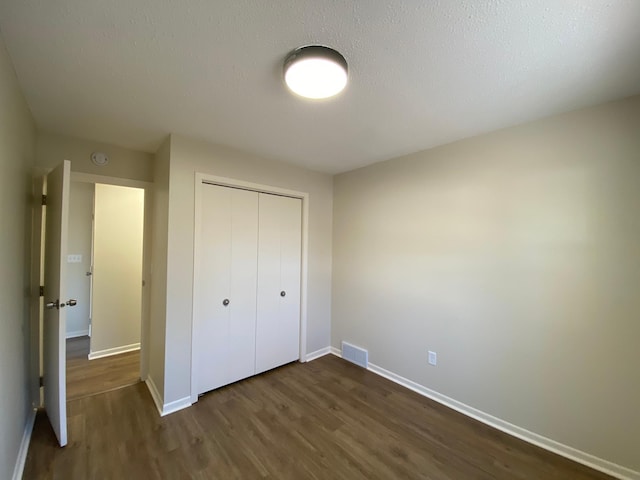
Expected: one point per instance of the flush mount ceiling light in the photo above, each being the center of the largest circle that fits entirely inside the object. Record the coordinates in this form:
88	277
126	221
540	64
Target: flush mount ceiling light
315	72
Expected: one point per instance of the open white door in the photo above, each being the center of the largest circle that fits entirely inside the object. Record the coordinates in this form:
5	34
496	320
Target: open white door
55	252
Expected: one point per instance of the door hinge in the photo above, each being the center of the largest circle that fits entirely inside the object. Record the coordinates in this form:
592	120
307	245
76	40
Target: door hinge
42	381
42	290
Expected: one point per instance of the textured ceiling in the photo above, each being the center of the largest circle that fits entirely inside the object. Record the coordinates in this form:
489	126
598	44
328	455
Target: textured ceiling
422	73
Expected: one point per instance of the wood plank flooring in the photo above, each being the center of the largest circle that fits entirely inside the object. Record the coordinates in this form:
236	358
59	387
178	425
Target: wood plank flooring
325	419
89	377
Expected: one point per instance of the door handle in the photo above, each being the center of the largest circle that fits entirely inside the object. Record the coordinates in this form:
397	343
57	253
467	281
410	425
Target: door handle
71	302
55	305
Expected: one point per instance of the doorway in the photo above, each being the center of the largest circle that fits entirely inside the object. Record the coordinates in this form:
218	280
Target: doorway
49	283
105	266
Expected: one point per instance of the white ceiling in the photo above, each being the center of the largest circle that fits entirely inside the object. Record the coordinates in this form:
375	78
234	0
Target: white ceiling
422	73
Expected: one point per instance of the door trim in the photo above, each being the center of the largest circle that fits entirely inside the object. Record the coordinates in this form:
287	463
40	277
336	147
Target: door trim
200	180
37	279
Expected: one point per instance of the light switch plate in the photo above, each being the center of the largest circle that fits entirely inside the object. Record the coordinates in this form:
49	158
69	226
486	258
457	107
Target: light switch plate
75	258
433	358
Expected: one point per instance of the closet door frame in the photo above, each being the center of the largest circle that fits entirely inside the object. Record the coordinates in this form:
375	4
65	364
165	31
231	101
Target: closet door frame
203	179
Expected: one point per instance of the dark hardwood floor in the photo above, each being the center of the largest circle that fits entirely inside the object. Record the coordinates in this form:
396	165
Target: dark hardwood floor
89	377
325	419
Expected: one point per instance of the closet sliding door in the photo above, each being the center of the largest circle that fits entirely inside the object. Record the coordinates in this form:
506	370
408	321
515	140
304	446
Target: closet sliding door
225	324
279	257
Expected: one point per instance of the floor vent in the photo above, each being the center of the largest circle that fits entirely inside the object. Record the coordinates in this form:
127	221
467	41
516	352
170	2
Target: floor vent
356	355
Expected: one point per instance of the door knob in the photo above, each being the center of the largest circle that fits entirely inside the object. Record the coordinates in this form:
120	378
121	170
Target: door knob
72	303
225	302
55	304
283	293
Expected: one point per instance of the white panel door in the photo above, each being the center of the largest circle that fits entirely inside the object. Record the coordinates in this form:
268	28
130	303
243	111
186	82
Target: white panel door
279	252
54	331
224	320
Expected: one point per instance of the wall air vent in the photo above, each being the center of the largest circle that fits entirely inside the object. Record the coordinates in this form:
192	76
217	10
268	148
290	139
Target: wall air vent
356	355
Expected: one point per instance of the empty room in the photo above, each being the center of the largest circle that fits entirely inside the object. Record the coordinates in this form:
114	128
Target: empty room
363	240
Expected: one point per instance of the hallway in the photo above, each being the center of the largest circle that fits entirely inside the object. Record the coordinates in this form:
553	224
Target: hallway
88	377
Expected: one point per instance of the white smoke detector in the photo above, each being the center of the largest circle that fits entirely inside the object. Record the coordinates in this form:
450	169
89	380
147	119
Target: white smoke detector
100	159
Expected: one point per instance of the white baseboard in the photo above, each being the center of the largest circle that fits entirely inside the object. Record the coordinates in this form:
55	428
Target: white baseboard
317	354
24	446
165	408
114	351
176	405
566	451
78	333
153	390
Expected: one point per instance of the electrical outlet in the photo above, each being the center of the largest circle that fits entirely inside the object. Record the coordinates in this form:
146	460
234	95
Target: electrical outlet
433	358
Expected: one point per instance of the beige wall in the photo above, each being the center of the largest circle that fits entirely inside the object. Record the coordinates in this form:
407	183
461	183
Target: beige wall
117	267
17	145
190	156
78	283
516	257
52	148
158	303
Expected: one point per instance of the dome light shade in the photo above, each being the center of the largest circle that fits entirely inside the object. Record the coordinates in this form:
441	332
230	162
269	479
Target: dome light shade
315	72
